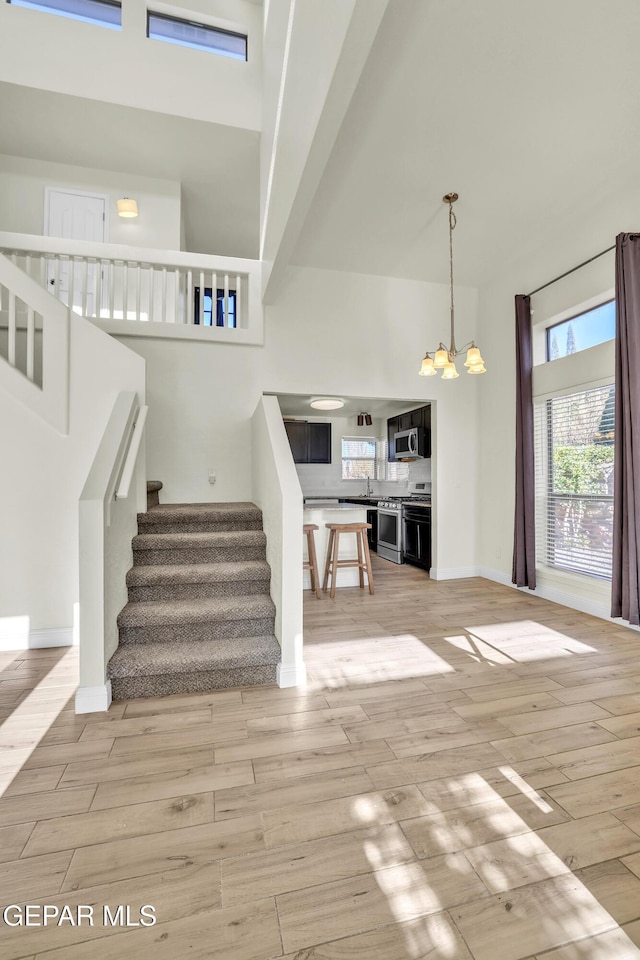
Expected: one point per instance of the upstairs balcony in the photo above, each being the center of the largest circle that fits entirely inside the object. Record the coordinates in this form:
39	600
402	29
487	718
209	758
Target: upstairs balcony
143	292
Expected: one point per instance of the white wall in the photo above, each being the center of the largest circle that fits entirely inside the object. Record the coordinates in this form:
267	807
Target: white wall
54	53
43	476
331	333
22	200
591	230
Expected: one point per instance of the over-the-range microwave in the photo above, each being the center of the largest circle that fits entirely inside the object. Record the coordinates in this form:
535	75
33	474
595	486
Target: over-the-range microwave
410	444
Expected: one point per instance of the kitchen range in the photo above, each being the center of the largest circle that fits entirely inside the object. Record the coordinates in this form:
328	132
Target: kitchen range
404	527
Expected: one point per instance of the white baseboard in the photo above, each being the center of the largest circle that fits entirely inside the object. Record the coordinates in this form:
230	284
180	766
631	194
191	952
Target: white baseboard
556	595
498	576
453	573
291	675
20	637
93	699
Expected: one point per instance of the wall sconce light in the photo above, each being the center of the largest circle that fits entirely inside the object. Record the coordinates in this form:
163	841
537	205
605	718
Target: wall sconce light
364	419
127	208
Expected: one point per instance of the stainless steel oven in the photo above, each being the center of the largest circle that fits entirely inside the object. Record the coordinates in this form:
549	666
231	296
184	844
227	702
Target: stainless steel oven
390	530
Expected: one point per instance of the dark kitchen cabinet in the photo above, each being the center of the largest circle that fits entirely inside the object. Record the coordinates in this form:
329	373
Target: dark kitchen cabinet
319	442
420	418
416	533
309	442
392	429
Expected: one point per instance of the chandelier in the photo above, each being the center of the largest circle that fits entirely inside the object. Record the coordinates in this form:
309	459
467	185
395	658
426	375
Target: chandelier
444	358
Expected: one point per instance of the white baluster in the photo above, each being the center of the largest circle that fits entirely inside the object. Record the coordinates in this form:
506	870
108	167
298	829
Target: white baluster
225	302
56	277
151	290
214	299
27	264
43	271
99	290
176	298
85	286
31	342
125	289
164	294
138	285
72	279
201	311
11	345
238	301
111	270
188	309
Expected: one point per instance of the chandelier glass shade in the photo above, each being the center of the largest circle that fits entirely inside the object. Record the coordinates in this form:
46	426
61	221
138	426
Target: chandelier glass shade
444	358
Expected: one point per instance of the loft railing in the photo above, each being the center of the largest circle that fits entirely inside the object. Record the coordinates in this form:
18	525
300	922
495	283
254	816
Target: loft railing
34	346
140	291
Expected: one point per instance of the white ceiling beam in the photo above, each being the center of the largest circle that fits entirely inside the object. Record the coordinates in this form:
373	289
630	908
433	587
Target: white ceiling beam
322	50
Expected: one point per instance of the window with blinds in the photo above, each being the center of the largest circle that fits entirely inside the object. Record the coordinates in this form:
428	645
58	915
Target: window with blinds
574	481
359	458
364	457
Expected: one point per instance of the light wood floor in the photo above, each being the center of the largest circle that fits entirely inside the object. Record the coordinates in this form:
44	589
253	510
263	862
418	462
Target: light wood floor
460	779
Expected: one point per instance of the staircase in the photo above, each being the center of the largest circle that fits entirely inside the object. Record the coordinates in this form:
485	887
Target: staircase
199	615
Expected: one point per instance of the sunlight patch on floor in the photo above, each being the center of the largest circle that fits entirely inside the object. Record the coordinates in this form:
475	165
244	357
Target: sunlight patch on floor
23	729
534	902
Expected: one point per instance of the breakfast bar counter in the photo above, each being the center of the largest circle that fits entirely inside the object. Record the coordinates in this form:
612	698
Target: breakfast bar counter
334	513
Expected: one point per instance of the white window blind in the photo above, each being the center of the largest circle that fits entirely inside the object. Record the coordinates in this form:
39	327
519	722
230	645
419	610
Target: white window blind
574	481
390	471
359	458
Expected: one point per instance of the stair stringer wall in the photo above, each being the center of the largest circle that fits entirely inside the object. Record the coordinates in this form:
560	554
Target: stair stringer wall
40	486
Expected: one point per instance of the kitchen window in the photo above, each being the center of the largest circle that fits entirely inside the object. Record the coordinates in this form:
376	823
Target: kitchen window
359	458
199	36
574	461
105	13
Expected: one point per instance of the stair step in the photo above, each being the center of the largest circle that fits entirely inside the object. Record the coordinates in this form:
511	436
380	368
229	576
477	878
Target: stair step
200	517
193	581
205	619
196	548
159	669
153	493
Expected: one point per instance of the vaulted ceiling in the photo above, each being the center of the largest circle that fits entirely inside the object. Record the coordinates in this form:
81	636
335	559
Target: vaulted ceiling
527	108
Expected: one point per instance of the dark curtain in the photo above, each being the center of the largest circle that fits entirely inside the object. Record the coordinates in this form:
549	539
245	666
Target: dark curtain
524	536
626	490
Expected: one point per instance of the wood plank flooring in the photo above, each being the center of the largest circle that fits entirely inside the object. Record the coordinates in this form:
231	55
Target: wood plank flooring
460	780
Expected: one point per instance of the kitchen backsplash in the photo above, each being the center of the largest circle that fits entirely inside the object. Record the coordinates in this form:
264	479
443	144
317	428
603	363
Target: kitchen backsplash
317	478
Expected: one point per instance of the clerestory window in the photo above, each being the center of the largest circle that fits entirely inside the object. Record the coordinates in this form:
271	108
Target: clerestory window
105	13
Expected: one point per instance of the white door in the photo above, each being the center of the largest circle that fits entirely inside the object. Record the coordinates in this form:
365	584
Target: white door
75	216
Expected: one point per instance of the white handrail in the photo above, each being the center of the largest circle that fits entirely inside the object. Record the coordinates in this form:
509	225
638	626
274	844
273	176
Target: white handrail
132	455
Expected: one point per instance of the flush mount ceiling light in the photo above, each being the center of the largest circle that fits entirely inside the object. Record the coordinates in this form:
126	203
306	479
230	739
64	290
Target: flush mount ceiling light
326	403
444	357
127	208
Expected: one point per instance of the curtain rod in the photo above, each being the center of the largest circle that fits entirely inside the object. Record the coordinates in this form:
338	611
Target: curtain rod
573	270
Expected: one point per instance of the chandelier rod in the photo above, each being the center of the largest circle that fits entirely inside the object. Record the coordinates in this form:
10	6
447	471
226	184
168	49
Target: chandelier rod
451	199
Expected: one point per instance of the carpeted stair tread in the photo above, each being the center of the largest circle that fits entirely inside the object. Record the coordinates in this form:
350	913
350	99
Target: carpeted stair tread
153	659
206	610
199	511
180	541
240	571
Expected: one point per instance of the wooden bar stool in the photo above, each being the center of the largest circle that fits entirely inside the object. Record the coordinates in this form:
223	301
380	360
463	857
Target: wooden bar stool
362	561
312	563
